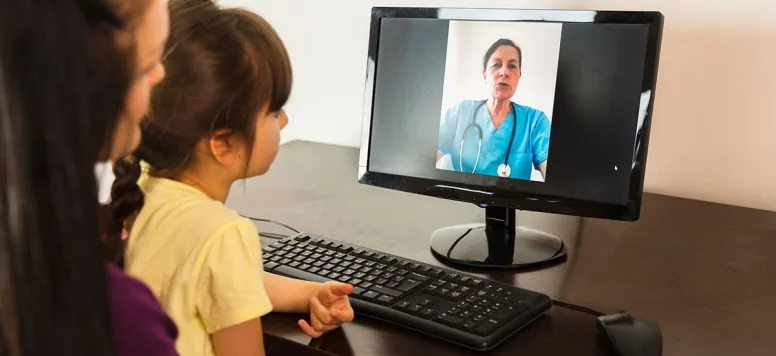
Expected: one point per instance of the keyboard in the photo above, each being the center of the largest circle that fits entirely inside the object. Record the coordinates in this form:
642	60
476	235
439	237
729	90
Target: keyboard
455	307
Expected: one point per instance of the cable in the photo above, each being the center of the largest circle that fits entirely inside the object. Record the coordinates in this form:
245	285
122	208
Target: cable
271	222
577	308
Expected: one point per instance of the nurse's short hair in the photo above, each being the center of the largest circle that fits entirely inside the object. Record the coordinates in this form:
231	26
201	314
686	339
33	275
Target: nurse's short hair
502	42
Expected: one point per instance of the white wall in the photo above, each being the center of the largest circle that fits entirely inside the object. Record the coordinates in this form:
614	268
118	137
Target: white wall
714	119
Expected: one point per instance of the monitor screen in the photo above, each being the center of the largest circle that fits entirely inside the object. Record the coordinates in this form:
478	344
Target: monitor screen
551	109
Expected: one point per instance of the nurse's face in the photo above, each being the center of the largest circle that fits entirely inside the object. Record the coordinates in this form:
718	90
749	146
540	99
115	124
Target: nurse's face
503	72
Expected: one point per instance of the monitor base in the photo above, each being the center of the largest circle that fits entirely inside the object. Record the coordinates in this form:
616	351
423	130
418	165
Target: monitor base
498	243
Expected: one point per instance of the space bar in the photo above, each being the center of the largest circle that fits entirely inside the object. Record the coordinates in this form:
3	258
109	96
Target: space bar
299	274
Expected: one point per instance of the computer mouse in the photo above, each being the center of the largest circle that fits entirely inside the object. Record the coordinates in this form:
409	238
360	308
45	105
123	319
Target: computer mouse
628	336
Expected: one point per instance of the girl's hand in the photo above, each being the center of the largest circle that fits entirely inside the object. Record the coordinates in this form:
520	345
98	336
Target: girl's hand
329	308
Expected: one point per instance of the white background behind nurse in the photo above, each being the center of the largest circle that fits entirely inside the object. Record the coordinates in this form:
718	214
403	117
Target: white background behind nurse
469	40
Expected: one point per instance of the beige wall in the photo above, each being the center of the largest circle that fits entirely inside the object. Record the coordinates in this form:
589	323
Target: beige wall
714	121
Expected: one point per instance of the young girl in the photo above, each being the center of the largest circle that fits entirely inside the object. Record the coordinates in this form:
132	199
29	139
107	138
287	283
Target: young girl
215	119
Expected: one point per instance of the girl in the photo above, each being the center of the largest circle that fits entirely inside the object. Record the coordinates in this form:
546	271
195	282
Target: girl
74	84
216	119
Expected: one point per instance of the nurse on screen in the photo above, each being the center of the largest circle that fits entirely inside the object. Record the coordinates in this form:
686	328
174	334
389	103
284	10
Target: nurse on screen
495	136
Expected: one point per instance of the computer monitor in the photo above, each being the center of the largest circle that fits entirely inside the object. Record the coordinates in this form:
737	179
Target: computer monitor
509	109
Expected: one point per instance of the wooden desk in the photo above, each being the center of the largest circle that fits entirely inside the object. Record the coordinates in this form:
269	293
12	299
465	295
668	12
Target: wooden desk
704	271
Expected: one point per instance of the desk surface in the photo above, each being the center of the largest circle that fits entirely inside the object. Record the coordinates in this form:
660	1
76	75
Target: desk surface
704	271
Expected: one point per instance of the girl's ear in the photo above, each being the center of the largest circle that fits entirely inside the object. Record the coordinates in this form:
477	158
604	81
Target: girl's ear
224	147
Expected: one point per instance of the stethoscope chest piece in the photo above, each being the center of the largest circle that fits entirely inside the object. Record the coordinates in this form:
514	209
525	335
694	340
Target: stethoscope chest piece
504	170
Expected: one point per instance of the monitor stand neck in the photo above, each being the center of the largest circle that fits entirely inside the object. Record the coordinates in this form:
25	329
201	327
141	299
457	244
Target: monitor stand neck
499	243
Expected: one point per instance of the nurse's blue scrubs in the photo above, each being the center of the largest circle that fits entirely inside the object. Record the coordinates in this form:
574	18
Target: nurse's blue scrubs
530	147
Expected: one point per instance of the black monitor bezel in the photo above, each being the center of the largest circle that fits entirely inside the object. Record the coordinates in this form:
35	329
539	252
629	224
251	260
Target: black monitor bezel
491	196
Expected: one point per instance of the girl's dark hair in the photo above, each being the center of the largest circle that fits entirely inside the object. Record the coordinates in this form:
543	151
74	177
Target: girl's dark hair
502	42
223	66
63	80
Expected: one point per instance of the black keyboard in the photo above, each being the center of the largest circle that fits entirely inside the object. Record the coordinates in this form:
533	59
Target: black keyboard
462	309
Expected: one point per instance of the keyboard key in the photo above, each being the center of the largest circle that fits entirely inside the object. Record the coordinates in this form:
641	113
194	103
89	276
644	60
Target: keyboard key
370	295
384	299
302	238
408	285
426	303
451	320
418	277
270	265
415	309
357	291
427	313
366	284
431	289
388	291
436	273
402	305
392	284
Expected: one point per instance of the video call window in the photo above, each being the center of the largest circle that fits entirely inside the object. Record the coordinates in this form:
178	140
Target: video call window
498	97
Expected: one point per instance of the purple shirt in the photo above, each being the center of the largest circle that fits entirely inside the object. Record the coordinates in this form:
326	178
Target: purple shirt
140	325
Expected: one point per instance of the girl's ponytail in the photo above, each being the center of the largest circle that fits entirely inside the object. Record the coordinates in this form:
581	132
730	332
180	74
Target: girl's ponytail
126	201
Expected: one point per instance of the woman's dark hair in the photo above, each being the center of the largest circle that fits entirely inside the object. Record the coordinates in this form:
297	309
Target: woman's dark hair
502	42
63	80
223	66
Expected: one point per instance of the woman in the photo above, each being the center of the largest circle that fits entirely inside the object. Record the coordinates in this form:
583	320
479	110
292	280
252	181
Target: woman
74	82
495	136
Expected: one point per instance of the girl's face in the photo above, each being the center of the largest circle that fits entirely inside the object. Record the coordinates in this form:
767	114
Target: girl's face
265	146
150	37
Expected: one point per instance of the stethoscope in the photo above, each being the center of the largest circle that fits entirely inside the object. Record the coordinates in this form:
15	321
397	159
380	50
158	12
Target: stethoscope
503	169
